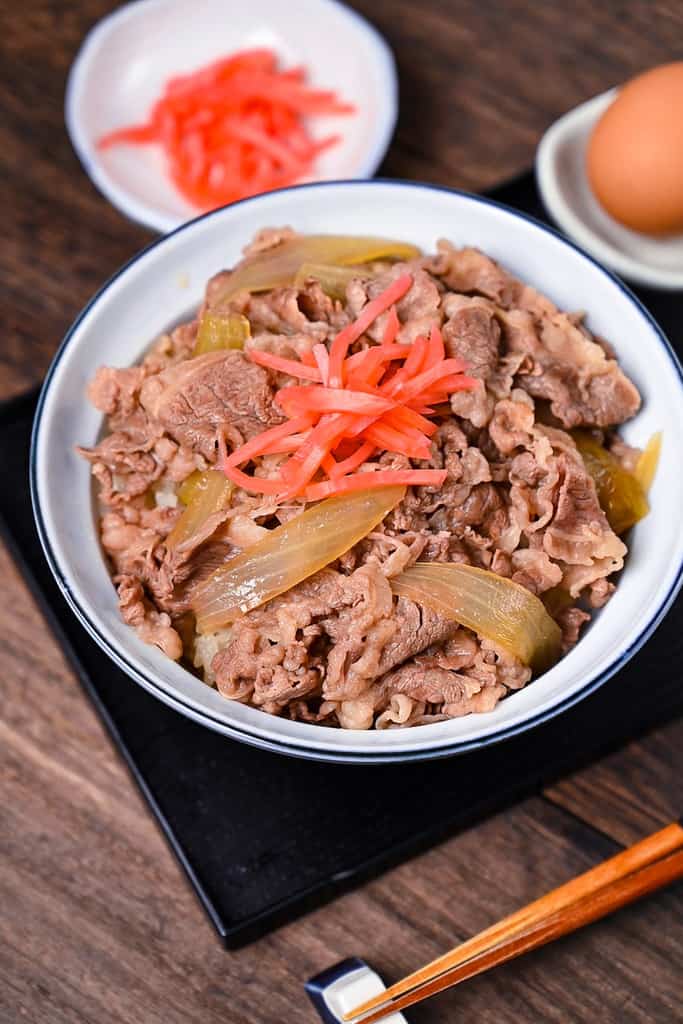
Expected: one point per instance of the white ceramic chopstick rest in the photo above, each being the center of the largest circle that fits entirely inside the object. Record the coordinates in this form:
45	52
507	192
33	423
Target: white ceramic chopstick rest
344	985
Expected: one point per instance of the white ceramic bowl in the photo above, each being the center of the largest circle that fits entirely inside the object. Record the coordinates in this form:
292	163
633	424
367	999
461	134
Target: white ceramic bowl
127	58
165	283
568	198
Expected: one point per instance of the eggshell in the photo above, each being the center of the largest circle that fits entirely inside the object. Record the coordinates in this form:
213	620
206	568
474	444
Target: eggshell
635	153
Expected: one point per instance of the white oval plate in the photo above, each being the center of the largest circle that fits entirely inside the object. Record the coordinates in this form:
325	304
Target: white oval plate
127	58
569	200
165	283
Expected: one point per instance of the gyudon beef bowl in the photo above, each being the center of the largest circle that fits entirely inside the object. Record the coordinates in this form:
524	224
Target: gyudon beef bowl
366	471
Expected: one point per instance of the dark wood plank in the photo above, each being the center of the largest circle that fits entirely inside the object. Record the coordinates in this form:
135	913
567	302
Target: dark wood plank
633	792
97	922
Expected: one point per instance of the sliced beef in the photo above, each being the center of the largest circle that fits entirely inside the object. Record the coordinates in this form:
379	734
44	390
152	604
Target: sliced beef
472	333
276	647
440	686
471	272
418	310
152	626
318	307
133	539
116	392
554	506
194	399
359	631
126	463
475	405
534	479
512	423
458	651
574	374
570	621
290	346
460	677
500	383
579	533
533	569
600	592
527	298
171	348
391	553
217	288
294	311
417	628
483	508
348	630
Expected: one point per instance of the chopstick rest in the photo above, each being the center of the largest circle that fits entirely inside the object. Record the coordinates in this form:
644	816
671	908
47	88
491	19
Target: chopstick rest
338	989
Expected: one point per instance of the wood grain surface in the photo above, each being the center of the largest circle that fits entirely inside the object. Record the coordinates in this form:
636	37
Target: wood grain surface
96	922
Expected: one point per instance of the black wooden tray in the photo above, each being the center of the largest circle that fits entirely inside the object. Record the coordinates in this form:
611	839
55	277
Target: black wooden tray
263	837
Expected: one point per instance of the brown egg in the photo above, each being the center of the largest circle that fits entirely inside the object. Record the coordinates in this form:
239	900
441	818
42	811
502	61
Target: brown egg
635	154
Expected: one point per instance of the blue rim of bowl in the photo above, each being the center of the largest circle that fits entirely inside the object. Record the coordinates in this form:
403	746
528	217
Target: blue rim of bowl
207	719
138	212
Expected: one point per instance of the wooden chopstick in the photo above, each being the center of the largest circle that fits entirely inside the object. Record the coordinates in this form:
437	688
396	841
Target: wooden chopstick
648	865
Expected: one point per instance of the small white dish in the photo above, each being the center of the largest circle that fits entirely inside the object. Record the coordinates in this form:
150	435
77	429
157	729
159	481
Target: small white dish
569	200
127	58
164	285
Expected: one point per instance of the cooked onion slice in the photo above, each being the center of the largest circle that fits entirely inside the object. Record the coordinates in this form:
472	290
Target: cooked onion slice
219	331
333	280
504	612
289	554
204	494
646	466
276	267
620	493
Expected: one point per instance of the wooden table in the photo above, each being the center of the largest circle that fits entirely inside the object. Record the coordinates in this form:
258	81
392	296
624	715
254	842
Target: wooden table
96	922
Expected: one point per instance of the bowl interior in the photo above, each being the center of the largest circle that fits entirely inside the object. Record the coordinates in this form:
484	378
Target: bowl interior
165	283
127	59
